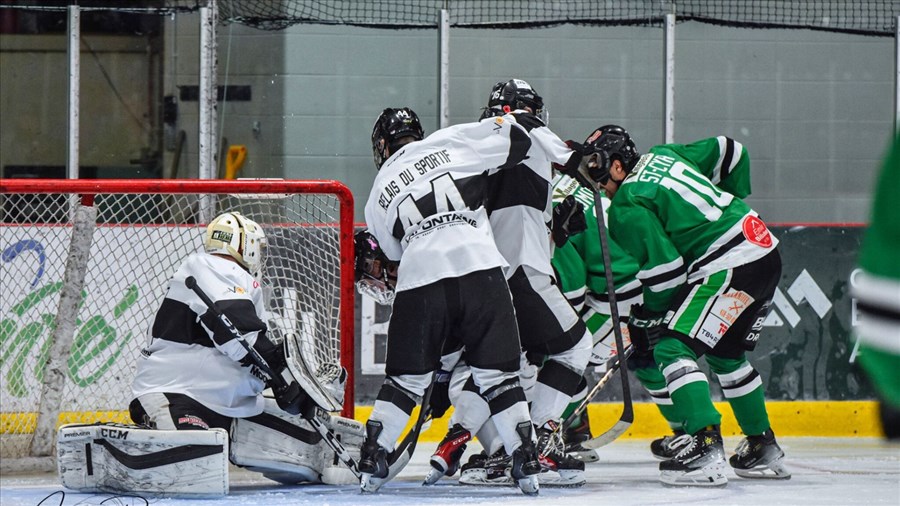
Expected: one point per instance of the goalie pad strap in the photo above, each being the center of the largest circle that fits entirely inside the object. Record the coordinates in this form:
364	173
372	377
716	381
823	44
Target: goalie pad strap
156	459
273	422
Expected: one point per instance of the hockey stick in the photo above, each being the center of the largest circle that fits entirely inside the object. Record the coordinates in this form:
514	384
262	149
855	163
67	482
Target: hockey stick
601	384
627	417
342	454
400	457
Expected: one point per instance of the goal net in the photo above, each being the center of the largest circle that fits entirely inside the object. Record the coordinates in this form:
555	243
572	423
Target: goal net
85	264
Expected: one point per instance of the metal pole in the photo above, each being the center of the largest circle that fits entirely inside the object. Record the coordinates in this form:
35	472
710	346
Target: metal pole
897	76
669	79
74	47
444	69
208	96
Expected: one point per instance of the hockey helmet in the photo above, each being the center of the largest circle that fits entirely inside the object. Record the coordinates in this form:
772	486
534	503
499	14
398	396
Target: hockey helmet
392	126
605	144
511	95
239	237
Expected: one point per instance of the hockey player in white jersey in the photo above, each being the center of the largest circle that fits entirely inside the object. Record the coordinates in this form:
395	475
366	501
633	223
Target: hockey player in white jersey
194	374
170	391
426	211
519	204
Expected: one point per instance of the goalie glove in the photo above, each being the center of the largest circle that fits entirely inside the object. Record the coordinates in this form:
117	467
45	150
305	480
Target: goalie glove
375	274
293	399
568	219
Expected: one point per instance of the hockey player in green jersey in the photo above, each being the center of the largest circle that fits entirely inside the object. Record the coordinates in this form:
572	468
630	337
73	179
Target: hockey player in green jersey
578	264
878	293
708	267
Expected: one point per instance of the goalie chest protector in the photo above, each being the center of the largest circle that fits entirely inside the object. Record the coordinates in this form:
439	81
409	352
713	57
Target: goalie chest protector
124	458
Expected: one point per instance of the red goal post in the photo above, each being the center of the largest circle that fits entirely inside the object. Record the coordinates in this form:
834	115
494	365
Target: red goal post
86	262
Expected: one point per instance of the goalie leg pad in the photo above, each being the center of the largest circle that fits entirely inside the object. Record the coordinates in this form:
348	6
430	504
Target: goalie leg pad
287	449
125	458
282	447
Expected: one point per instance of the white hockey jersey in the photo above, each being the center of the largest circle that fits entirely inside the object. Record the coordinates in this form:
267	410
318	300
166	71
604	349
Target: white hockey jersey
427	202
519	202
184	356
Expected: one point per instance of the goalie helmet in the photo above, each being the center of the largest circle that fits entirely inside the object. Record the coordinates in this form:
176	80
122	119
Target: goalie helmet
391	127
511	95
241	238
605	144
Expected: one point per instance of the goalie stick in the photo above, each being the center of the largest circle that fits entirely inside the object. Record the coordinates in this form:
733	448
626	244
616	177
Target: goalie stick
627	417
342	454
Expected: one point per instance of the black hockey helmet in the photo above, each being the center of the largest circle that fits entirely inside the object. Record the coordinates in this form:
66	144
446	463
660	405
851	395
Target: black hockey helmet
391	127
605	144
507	96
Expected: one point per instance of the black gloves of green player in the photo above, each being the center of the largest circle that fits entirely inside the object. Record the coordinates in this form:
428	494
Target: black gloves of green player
645	329
440	394
568	219
293	400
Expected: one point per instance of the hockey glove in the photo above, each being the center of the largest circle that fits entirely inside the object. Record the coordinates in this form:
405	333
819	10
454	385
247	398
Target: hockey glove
568	219
440	394
293	400
571	167
645	328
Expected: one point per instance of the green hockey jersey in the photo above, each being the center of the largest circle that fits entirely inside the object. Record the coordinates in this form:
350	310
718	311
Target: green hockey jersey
678	225
724	161
877	287
579	263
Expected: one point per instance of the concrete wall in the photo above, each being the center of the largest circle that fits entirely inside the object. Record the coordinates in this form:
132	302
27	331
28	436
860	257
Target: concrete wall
815	109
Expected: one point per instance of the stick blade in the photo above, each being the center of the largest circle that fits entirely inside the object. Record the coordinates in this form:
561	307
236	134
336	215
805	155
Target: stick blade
609	436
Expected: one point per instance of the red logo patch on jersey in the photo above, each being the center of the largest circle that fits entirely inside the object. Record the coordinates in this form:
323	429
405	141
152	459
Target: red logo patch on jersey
756	232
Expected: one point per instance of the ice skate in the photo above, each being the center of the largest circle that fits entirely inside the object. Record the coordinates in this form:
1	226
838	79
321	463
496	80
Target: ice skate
700	462
664	447
373	465
576	435
482	470
558	469
445	461
525	464
760	457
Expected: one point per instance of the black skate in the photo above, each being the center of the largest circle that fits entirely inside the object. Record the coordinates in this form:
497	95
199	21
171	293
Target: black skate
760	457
575	435
663	448
482	470
445	461
700	462
373	465
558	469
525	465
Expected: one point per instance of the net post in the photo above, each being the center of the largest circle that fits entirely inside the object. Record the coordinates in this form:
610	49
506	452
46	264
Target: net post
54	380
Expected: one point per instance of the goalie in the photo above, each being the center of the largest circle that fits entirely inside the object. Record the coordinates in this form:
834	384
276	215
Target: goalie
196	374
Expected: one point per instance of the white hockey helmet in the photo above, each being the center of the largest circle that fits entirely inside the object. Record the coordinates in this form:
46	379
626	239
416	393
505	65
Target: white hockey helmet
238	236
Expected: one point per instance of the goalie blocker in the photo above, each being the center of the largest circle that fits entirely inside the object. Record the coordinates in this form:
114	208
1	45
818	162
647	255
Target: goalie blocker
133	459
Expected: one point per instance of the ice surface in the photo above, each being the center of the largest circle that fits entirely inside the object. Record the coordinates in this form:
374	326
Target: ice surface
826	471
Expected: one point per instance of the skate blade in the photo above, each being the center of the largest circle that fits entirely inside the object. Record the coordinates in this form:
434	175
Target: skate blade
478	478
710	475
369	484
774	470
561	479
585	456
433	476
529	485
